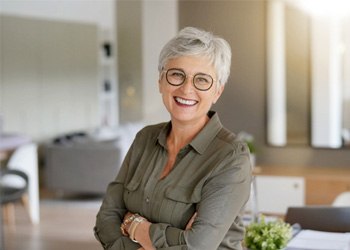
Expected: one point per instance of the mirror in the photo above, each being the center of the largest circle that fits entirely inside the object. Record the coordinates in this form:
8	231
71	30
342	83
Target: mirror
308	76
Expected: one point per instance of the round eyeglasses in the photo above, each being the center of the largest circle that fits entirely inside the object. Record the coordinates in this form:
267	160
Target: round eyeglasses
177	77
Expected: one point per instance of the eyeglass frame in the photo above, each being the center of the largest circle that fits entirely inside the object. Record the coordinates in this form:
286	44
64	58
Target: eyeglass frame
186	76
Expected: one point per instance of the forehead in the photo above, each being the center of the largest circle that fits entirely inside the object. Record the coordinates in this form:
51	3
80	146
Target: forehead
191	64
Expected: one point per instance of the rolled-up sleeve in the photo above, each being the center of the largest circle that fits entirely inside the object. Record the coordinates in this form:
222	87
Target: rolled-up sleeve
108	221
111	214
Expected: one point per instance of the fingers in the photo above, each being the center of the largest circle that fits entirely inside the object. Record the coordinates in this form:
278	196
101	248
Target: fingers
190	222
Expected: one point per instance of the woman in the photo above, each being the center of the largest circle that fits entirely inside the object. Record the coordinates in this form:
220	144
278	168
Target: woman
183	183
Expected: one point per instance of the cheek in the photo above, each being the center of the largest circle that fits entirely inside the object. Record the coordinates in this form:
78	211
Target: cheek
162	87
165	92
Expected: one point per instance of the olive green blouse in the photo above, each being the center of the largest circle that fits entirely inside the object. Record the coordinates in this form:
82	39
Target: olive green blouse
211	175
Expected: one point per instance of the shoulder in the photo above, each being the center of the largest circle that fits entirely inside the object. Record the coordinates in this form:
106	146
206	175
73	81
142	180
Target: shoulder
231	142
151	131
145	141
234	165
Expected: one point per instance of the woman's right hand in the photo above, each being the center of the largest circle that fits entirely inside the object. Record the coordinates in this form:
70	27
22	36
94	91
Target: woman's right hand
126	224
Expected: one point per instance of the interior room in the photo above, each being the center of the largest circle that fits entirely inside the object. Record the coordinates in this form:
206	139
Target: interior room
79	78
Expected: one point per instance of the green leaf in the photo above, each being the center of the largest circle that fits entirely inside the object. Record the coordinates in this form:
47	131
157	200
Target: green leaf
273	235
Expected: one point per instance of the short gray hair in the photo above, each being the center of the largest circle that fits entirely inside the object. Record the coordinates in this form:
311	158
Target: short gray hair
192	41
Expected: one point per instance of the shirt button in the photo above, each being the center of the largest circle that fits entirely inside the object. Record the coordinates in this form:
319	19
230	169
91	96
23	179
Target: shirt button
147	200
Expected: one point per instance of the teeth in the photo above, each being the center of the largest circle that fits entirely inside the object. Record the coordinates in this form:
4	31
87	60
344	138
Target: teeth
185	102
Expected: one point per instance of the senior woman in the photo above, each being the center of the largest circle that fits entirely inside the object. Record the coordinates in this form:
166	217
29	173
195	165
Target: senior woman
183	183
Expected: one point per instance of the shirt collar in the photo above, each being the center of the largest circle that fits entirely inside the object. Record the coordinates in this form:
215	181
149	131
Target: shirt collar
204	137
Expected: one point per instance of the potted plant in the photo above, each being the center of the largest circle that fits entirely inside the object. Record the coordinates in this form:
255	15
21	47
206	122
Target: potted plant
272	235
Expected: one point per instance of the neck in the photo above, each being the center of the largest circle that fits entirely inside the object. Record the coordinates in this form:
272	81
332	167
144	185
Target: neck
182	134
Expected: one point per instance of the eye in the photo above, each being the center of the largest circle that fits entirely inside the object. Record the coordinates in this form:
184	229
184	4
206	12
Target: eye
176	74
203	79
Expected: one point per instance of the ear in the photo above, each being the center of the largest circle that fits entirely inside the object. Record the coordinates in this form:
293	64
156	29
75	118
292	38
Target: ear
159	85
218	93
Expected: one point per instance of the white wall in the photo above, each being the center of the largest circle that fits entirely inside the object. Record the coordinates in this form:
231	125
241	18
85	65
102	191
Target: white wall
49	76
92	11
101	13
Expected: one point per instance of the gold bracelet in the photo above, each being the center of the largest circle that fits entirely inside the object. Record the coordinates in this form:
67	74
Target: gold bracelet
125	223
133	226
132	231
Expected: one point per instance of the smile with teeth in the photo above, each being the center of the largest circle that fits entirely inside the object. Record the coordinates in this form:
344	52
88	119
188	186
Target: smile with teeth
185	101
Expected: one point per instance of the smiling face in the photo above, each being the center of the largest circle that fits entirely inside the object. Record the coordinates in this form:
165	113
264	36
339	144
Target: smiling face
185	103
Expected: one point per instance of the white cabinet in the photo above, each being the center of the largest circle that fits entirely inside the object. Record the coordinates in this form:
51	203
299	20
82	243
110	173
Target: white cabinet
274	194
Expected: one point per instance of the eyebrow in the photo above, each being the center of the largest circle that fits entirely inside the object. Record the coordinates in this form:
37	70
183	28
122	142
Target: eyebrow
181	69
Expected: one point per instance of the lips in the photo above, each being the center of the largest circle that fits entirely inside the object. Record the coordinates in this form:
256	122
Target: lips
186	102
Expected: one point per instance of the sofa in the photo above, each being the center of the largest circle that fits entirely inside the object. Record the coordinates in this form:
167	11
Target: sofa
80	164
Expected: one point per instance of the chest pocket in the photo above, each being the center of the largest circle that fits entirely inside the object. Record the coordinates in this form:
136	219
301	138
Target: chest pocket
132	195
180	204
183	194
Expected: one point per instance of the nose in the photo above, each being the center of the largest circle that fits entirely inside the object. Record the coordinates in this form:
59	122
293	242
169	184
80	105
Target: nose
187	86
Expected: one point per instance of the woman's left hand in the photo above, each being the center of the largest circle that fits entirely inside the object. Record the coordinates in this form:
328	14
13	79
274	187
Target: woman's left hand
190	222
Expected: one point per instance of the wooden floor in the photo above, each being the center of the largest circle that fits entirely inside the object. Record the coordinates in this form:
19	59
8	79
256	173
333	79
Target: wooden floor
65	224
